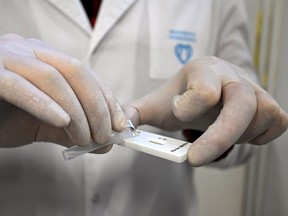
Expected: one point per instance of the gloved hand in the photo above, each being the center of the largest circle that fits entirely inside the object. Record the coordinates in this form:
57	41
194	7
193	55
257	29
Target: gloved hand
46	95
217	97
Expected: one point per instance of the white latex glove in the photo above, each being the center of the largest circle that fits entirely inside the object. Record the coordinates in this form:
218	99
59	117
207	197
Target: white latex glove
46	95
216	97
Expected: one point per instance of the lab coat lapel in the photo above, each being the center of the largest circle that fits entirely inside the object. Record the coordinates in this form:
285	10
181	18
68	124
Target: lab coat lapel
110	12
73	10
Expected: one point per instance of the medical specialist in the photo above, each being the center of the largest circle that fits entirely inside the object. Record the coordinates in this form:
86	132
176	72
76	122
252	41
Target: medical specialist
64	82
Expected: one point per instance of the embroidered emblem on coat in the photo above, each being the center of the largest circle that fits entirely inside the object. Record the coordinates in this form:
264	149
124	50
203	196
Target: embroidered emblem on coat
183	52
183	48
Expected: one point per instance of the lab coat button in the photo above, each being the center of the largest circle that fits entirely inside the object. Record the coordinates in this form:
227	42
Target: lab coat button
96	198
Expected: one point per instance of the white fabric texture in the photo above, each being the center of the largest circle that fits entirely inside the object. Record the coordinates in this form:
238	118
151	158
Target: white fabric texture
135	47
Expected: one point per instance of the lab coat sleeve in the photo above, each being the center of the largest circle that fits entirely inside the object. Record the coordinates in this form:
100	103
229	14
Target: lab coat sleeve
233	40
234	45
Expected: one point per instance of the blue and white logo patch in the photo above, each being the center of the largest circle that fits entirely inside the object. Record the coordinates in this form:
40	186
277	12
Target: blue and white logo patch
183	49
183	52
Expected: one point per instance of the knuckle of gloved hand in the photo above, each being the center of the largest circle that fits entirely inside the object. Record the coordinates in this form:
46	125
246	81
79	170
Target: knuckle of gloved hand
282	121
77	67
207	61
267	106
208	95
179	113
210	59
200	64
241	72
194	102
269	109
9	81
6	80
191	66
50	74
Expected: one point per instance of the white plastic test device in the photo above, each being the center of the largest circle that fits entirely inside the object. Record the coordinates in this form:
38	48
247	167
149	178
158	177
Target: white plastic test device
150	143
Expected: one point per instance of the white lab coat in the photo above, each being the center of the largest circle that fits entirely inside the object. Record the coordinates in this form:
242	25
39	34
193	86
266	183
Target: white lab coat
136	45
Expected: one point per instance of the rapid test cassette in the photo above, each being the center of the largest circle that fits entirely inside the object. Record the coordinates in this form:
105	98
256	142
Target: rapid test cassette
158	145
150	143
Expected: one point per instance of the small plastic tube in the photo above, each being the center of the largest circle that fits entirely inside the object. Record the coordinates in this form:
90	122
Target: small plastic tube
116	138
